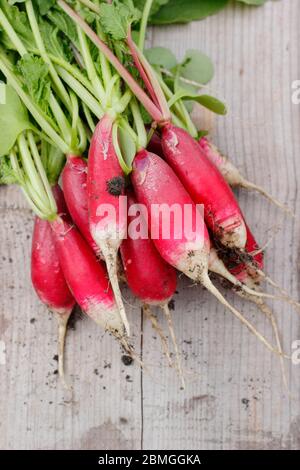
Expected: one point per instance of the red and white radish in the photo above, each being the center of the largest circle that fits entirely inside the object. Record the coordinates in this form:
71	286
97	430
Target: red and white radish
106	184
206	186
48	279
155	184
86	277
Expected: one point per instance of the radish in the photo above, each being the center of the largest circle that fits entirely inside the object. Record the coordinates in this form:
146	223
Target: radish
231	174
86	277
148	276
106	183
48	279
205	185
74	181
155	183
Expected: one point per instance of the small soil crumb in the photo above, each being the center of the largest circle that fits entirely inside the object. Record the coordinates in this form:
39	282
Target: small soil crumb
55	372
55	358
116	186
128	378
171	304
107	365
96	372
32	320
127	360
187	341
123	420
246	402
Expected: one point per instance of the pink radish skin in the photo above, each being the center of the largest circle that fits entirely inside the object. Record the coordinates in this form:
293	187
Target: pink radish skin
48	279
205	185
232	175
149	277
105	185
86	277
74	181
155	183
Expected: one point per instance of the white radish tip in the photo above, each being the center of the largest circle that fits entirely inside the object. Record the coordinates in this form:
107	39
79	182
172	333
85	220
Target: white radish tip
108	318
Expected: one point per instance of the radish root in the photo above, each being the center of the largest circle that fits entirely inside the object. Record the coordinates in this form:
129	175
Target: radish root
206	282
62	330
157	328
252	186
110	256
168	316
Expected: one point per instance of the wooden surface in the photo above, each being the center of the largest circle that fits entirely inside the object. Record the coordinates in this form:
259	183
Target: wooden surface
235	398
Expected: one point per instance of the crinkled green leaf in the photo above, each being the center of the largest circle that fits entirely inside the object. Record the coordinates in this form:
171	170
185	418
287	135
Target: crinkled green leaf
55	42
13	120
64	24
44	5
162	57
7	174
35	74
117	17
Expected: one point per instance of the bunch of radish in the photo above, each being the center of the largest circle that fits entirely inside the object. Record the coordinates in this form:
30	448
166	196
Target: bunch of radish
120	144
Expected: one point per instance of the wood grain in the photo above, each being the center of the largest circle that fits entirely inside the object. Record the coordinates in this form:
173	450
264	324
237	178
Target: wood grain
235	398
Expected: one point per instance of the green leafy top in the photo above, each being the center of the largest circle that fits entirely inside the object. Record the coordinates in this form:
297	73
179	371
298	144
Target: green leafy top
37	82
117	17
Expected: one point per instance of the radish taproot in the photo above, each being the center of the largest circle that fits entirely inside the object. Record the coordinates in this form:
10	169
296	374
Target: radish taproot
155	183
232	175
106	183
48	279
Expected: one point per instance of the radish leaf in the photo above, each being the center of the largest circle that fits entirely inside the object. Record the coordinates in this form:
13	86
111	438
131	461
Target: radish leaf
35	74
13	120
209	102
184	11
162	57
117	17
197	67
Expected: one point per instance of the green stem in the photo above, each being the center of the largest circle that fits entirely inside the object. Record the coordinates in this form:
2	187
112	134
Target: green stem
105	65
143	28
61	119
29	166
89	117
90	5
63	94
81	92
16	167
139	123
41	171
89	65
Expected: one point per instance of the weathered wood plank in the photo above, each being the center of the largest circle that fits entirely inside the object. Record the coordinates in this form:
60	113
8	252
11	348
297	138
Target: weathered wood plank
235	396
238	400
